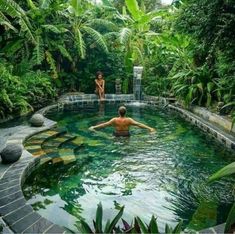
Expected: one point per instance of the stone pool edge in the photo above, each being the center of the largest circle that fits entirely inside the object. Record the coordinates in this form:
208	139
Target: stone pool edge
16	214
14	210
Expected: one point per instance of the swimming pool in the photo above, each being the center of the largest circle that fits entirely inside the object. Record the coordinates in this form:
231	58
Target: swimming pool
163	174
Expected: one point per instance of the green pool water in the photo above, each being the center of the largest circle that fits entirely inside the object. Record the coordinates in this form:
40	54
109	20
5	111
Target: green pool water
164	174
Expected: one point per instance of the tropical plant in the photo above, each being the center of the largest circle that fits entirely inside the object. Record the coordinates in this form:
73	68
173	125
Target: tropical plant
226	171
134	34
112	226
19	95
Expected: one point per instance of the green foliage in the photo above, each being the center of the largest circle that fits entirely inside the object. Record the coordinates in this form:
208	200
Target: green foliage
226	171
112	226
18	95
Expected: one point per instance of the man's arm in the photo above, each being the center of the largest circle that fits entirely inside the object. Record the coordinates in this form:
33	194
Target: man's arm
140	125
103	125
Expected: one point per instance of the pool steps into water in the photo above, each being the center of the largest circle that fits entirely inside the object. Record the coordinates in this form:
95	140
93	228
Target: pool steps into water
54	145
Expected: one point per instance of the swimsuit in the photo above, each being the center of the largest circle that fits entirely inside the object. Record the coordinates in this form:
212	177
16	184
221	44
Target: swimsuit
122	133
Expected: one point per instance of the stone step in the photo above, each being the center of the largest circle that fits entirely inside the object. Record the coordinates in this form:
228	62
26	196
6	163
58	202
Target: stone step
56	142
73	143
33	145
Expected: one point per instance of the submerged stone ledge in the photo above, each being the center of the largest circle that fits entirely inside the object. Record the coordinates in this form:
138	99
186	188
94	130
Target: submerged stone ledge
17	215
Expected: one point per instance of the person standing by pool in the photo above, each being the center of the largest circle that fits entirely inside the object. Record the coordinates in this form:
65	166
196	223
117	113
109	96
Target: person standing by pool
122	124
100	85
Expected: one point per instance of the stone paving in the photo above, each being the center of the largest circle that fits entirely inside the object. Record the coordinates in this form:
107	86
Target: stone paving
16	215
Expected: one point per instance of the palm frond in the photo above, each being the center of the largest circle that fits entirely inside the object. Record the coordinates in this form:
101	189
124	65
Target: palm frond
10	7
97	37
125	34
80	44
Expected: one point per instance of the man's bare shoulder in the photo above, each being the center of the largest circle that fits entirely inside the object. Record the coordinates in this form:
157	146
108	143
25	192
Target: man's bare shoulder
130	120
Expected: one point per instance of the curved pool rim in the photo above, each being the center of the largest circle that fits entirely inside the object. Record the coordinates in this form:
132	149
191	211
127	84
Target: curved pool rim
19	171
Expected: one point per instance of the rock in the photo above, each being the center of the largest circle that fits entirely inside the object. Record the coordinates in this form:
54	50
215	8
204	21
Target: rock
37	120
11	153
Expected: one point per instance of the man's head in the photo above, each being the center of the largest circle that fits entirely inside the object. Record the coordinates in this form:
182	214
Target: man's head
122	111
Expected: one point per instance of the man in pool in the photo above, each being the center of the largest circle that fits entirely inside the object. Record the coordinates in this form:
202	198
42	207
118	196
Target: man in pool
122	124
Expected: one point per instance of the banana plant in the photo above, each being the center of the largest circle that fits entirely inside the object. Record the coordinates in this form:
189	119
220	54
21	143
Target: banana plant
136	31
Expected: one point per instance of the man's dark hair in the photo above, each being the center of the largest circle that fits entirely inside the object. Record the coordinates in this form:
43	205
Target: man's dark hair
99	73
122	111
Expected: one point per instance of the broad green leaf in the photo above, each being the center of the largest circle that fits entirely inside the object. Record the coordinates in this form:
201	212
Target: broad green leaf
133	8
97	37
80	44
230	220
225	171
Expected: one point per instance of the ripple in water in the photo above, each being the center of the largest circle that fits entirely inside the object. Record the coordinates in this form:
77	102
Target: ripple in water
163	174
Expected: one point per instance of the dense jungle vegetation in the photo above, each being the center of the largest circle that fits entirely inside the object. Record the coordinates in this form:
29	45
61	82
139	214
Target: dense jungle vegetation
48	47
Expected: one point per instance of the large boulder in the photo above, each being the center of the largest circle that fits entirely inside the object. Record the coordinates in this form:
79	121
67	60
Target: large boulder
11	153
37	120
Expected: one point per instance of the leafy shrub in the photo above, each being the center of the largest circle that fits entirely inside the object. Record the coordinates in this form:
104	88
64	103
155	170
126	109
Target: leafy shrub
38	88
18	95
12	98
